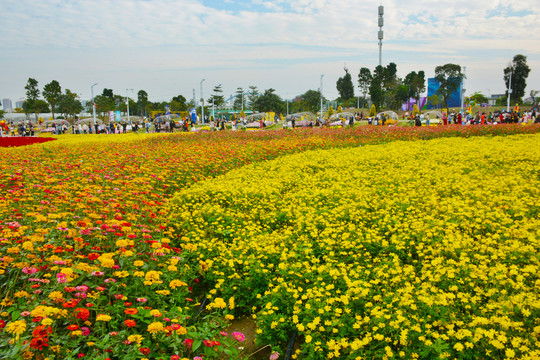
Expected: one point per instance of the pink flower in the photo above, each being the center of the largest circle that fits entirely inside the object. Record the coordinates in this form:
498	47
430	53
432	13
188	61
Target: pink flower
238	336
25	313
30	270
274	356
98	273
85	331
223	333
143	300
175	357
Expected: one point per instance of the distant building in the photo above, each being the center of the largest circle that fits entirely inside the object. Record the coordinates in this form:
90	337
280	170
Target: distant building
19	104
453	101
492	101
6	103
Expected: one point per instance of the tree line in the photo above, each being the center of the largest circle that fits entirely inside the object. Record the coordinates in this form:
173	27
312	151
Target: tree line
385	88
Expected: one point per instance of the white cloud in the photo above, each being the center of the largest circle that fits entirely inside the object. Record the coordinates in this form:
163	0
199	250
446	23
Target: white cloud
127	39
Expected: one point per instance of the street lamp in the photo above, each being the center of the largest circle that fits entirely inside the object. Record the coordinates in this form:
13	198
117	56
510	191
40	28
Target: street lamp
202	99
93	103
127	103
214	103
509	91
462	90
321	98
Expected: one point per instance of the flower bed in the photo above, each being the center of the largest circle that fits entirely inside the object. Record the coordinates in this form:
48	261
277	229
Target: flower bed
89	262
408	250
22	141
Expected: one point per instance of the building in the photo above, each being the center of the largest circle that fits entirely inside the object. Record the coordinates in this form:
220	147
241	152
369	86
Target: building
19	104
453	101
6	103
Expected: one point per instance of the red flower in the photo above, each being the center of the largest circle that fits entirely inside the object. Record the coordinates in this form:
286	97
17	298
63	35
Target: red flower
42	331
131	311
39	342
130	323
73	327
144	350
81	313
188	343
93	256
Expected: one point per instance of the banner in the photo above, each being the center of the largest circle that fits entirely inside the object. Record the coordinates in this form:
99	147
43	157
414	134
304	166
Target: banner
118	115
111	116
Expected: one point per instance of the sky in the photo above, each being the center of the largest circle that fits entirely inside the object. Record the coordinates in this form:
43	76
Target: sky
167	47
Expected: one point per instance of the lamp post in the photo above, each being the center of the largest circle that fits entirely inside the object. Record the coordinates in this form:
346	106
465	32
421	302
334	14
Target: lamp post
509	91
214	103
202	106
93	103
321	98
127	103
462	89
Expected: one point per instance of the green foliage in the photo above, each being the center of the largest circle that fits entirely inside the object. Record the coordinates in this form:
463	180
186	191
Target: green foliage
449	77
520	71
252	96
310	101
364	82
477	98
32	90
434	100
415	83
52	92
69	104
217	99
142	101
345	86
239	99
269	101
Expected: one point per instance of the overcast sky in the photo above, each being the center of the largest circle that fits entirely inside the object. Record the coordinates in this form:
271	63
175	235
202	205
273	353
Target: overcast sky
166	47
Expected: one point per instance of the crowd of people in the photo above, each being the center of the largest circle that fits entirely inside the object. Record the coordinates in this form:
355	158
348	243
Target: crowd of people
167	124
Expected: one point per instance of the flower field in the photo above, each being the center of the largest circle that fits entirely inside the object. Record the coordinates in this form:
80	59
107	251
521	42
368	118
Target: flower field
409	249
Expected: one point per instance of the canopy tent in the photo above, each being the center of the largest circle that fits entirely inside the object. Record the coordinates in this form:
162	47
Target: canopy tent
306	115
437	114
342	115
389	115
88	121
304	118
57	122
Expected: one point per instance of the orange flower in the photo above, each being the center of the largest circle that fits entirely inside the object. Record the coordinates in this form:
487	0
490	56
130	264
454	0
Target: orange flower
131	311
130	323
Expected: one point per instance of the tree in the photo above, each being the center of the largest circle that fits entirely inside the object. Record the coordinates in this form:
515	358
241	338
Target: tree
252	96
416	84
311	101
108	93
534	97
142	101
478	98
269	101
376	87
69	104
364	82
519	71
345	86
51	93
239	99
31	105
32	90
217	99
434	100
449	77
179	103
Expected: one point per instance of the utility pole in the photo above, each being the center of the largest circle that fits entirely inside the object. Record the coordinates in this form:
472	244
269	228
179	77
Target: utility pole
202	106
321	98
381	23
509	91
